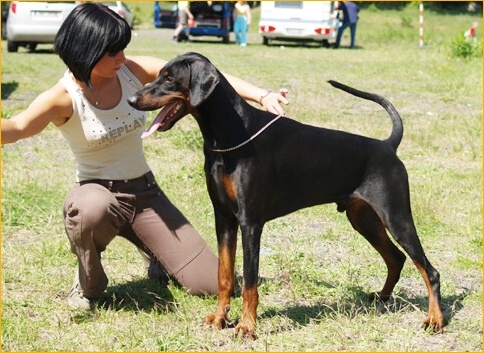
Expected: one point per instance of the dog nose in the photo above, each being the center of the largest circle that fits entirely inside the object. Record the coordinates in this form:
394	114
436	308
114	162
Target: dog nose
133	101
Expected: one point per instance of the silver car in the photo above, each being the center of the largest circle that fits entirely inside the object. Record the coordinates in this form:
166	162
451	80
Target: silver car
31	23
122	9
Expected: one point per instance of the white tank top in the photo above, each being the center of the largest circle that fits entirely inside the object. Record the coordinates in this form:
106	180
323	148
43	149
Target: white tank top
106	144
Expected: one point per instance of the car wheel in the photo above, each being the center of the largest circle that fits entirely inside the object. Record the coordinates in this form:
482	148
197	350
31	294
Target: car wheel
12	47
31	46
4	30
265	40
226	39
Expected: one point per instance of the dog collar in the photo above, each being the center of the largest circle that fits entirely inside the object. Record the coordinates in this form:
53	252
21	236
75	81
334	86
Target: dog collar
248	140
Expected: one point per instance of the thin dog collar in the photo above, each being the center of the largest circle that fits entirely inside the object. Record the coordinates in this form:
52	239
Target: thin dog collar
248	140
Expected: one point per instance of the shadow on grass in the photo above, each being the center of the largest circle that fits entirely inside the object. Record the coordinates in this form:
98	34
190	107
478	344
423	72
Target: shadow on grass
360	304
140	295
143	295
8	88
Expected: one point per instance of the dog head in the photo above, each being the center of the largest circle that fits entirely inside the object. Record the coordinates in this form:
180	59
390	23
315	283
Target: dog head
182	85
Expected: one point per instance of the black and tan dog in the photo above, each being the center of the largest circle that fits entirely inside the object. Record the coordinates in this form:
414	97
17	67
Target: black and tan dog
259	167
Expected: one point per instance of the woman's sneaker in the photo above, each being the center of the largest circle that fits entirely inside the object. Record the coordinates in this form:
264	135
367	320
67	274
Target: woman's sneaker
77	300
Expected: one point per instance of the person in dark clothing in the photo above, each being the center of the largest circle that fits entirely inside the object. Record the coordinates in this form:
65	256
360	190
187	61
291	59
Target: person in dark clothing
350	18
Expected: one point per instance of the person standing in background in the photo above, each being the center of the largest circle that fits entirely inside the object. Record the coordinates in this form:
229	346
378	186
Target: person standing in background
184	15
350	18
241	22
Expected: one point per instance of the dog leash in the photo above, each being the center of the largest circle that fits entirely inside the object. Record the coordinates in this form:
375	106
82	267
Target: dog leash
250	139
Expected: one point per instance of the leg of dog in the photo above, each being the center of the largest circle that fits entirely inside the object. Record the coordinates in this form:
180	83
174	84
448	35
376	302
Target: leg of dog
406	235
390	199
251	235
227	246
364	220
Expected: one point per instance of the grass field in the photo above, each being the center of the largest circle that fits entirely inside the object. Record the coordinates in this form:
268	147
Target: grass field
315	269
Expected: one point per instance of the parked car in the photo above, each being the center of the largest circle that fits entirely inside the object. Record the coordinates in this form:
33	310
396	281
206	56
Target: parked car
298	21
5	7
122	9
210	20
165	18
31	23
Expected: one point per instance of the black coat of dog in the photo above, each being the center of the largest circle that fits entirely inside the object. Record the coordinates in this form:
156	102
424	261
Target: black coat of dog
259	167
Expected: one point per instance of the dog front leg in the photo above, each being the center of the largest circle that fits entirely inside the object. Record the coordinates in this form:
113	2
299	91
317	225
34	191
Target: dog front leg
227	246
251	244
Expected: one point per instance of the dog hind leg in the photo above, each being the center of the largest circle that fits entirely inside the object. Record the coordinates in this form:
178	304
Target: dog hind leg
402	228
365	220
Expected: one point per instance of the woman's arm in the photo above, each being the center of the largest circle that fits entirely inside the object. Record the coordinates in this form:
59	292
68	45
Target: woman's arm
148	68
53	106
267	99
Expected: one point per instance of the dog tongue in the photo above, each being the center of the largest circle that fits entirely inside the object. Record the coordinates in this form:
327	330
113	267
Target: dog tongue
166	113
156	124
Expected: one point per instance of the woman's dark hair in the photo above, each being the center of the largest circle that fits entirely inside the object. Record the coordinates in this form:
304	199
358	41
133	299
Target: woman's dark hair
89	32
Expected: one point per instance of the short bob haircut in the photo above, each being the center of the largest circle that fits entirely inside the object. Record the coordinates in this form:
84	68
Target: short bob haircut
89	32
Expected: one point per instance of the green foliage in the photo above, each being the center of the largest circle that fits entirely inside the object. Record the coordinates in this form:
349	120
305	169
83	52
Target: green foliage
461	47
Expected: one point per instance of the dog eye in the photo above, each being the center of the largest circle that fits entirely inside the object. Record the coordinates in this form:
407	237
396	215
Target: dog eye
169	79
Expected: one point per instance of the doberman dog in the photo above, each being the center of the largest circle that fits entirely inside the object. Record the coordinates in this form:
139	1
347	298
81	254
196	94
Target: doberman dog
259	166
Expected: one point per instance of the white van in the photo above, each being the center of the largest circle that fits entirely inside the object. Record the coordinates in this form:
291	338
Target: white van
298	21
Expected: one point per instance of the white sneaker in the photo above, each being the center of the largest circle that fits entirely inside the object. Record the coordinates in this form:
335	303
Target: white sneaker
77	300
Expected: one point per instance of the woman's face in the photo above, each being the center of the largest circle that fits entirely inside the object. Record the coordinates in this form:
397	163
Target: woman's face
109	64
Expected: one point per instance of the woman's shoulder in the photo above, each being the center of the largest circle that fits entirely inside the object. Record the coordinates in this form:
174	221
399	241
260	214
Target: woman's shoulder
60	102
145	68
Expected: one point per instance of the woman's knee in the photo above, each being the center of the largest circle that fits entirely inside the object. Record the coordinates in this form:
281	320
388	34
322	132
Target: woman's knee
200	275
93	202
91	210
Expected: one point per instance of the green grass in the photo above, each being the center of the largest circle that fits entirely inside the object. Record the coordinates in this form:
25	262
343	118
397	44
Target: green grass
316	271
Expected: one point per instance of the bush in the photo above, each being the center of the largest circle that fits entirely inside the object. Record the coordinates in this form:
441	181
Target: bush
466	49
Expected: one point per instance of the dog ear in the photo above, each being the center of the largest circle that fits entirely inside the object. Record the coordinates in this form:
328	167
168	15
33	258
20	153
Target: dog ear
204	77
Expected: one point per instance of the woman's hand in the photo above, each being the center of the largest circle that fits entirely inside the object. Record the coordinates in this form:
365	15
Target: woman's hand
272	101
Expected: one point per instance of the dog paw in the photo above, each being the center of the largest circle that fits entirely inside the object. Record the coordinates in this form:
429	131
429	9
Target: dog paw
248	334
377	297
433	325
217	322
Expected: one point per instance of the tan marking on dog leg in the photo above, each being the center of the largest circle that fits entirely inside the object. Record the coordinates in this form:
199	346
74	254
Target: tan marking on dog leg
229	186
435	317
248	319
226	283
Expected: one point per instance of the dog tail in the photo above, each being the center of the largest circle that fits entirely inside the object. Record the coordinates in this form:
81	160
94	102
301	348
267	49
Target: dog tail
397	129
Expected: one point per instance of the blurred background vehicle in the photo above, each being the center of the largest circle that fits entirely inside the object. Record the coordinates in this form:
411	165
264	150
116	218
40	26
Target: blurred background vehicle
165	14
31	23
298	21
5	6
122	9
212	18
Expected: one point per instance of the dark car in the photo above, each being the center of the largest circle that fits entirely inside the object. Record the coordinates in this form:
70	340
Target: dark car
5	7
210	20
165	18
